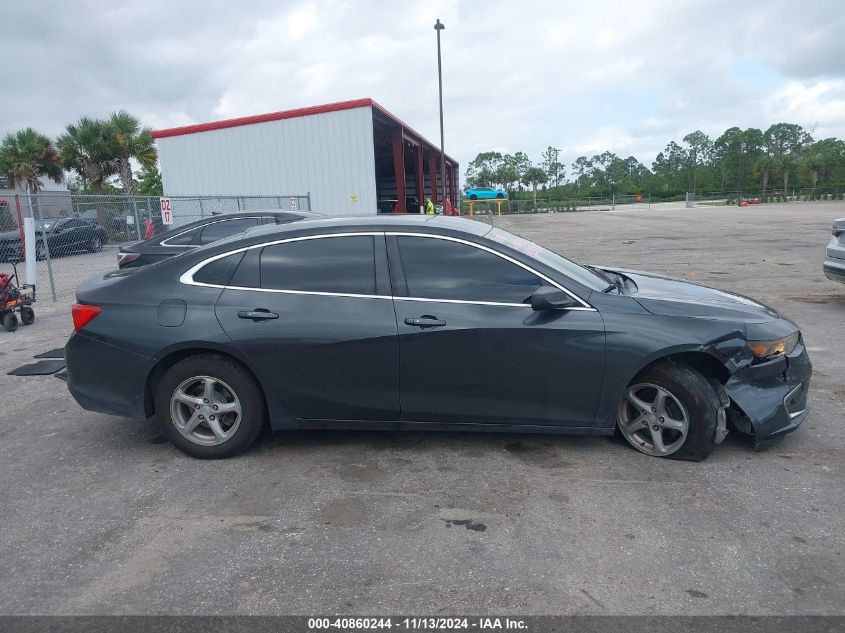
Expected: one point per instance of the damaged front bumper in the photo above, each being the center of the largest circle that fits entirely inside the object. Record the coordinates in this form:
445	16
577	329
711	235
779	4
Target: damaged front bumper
770	399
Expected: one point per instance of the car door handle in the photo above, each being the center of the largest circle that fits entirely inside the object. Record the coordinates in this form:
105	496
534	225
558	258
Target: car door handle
426	321
257	315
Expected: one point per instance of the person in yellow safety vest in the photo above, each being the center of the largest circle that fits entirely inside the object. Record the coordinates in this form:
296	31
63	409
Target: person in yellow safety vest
429	207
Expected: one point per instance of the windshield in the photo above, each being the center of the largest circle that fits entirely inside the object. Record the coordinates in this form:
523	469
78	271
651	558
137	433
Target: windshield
582	275
46	223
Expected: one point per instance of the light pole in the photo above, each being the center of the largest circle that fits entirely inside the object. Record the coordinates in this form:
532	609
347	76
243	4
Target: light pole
439	26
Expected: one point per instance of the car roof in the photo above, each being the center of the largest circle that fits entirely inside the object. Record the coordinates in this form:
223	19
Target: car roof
229	216
345	224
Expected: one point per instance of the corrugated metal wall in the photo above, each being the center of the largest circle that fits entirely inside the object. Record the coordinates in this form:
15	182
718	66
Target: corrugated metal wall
329	155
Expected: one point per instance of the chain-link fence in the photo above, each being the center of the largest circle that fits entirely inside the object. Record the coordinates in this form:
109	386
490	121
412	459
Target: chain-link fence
77	236
555	205
763	196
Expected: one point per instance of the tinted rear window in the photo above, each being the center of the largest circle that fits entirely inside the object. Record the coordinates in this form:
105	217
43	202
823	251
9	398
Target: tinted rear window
182	239
225	228
334	264
219	271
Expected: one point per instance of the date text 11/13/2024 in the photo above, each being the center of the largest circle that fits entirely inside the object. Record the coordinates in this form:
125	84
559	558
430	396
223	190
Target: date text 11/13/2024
417	624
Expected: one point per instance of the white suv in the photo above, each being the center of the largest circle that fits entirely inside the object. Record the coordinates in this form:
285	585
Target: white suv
834	264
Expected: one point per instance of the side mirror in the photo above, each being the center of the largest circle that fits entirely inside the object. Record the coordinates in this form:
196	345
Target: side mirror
550	298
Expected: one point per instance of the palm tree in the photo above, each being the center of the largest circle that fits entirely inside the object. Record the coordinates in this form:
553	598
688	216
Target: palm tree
534	176
128	141
85	149
26	157
764	166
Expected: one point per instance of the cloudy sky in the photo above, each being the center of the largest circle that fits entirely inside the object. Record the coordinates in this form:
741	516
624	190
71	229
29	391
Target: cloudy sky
518	75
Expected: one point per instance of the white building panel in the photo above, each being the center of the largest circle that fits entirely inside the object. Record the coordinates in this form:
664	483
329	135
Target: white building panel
330	155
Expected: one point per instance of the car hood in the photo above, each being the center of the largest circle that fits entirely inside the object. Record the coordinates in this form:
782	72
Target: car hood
670	296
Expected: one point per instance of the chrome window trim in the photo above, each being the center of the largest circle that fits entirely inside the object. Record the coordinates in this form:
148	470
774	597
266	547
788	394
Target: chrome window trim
202	228
187	277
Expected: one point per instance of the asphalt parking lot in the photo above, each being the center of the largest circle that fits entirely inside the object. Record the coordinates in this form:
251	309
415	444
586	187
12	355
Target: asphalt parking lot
101	515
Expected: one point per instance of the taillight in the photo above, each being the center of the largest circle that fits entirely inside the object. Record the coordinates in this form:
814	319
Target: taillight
82	314
837	230
125	257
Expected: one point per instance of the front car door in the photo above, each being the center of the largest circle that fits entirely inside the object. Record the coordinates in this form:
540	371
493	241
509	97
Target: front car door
472	350
315	316
62	236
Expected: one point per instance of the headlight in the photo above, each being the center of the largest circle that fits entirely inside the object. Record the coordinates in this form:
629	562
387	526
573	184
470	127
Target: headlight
772	349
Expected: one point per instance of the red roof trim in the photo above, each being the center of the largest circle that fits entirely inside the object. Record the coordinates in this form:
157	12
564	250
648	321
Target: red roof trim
263	118
292	114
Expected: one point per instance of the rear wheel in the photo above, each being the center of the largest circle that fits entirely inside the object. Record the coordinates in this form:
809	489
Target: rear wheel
27	315
209	406
670	410
40	251
10	321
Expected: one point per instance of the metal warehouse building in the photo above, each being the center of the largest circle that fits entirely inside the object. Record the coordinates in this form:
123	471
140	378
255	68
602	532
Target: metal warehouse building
353	157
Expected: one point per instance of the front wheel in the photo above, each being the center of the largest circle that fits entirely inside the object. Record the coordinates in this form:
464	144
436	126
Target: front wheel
10	321
473	197
27	315
671	410
40	251
500	196
209	406
95	245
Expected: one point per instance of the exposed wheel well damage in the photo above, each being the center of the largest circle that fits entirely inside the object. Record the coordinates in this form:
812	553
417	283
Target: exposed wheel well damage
707	365
718	374
713	371
170	360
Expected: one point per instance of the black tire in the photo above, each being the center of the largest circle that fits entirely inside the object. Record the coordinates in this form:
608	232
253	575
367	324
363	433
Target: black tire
27	315
40	251
239	380
10	321
697	396
473	197
95	245
500	196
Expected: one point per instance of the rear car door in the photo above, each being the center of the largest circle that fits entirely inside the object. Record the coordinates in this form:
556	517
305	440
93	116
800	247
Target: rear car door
471	350
315	316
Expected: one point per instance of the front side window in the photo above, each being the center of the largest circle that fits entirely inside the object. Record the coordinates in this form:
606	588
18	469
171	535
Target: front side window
344	265
225	228
442	269
583	276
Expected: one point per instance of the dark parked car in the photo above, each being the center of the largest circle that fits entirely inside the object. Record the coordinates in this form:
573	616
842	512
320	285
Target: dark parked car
388	205
427	322
63	236
204	231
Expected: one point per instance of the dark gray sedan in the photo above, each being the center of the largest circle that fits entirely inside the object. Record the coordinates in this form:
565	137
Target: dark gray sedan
427	323
61	236
199	232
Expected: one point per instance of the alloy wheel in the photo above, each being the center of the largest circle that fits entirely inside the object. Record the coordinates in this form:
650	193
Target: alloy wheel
205	410
653	419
